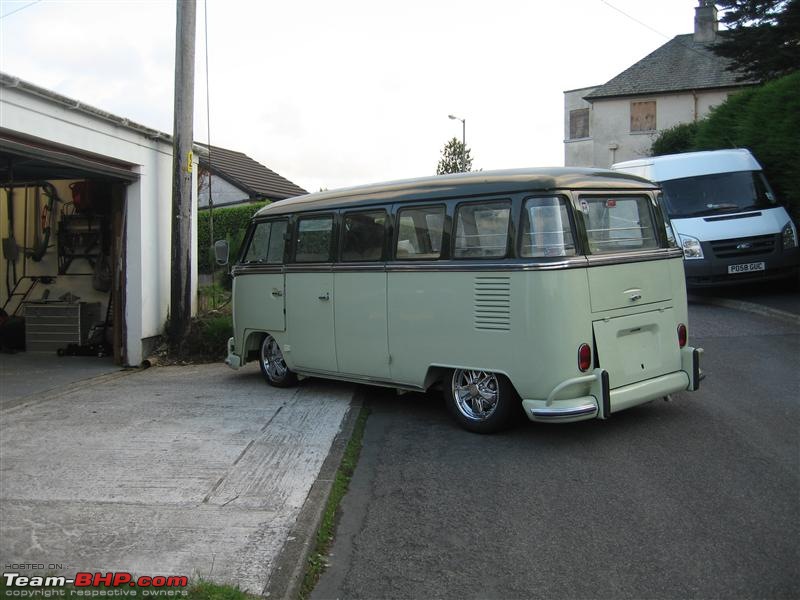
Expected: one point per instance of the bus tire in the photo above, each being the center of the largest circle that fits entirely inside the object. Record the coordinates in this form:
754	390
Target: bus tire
481	401
273	366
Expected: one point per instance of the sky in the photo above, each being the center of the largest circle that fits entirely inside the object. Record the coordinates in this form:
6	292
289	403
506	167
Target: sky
330	94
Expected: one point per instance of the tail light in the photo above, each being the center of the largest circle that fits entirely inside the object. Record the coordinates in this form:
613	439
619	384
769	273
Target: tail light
584	357
681	335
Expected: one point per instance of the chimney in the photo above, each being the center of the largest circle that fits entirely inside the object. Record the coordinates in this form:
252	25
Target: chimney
705	22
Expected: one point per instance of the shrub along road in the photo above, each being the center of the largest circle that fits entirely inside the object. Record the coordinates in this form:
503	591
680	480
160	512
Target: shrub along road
692	498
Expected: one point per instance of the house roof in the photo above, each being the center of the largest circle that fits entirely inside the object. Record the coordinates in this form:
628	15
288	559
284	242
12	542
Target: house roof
248	174
679	65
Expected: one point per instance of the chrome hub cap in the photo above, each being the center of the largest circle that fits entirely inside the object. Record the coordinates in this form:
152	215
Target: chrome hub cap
476	393
272	358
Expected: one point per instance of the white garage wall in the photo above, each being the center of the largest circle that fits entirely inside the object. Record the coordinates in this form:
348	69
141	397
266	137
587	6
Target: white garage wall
148	200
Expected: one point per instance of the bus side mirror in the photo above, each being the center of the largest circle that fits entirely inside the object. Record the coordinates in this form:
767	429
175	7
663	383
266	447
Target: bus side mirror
221	252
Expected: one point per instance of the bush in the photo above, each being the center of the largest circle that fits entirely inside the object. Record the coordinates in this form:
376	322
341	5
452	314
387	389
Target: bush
675	140
229	224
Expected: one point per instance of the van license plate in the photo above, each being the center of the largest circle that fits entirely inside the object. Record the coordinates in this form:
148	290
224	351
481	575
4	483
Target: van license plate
746	268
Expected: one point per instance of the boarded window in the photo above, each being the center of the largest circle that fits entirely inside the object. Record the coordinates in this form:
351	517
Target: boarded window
643	116
579	123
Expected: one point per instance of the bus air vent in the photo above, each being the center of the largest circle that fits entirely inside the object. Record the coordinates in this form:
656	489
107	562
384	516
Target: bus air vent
492	302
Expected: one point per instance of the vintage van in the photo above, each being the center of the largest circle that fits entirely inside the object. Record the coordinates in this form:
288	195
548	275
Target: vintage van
554	290
728	222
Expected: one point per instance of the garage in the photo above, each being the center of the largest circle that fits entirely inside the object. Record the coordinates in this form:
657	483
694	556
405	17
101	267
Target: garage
85	214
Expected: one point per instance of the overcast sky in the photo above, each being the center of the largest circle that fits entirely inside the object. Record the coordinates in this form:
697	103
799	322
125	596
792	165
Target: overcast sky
335	93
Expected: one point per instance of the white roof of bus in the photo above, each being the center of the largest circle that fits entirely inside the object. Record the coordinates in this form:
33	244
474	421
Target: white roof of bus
692	164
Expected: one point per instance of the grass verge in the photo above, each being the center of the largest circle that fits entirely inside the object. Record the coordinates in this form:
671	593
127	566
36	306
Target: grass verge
317	560
200	590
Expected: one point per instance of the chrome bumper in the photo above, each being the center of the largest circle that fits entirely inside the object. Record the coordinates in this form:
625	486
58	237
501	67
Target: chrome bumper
601	401
232	360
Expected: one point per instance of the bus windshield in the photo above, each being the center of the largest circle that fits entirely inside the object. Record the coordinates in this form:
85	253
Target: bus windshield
717	193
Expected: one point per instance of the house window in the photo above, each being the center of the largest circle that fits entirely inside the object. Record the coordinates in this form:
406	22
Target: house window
643	116
579	123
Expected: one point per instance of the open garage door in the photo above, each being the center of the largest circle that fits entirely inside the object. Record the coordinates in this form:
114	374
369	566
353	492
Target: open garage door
62	224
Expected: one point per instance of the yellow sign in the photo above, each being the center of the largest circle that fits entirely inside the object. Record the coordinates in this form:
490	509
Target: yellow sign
189	162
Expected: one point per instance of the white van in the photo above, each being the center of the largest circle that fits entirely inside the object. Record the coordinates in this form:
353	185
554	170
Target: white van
724	214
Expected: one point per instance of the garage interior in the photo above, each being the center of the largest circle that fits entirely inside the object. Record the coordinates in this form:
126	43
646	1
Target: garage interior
62	273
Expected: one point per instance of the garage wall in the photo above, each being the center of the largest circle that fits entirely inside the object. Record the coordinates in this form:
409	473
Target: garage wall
148	200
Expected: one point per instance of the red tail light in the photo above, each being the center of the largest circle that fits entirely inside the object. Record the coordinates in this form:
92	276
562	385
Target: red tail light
584	357
681	335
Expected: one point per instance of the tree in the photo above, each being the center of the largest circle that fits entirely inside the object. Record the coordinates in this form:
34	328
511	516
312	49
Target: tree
763	41
455	158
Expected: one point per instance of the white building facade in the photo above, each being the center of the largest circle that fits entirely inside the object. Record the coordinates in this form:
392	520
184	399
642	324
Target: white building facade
680	82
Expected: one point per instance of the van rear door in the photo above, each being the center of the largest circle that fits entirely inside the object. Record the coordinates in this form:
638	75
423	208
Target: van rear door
630	287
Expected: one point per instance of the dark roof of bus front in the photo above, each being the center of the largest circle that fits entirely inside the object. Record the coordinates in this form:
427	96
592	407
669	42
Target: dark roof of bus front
460	185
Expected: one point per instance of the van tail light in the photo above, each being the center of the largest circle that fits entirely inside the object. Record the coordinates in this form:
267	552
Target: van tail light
681	335
584	357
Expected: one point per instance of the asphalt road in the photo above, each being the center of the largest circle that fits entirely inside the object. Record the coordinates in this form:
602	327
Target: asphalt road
695	498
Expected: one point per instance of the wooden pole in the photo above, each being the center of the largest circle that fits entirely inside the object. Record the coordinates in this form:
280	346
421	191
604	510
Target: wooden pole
183	135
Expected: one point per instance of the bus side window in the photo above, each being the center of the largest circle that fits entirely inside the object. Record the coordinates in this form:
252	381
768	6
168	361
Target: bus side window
482	230
420	233
259	243
546	229
363	236
314	236
277	241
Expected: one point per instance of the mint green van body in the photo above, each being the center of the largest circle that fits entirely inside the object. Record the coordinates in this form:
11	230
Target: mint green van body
553	289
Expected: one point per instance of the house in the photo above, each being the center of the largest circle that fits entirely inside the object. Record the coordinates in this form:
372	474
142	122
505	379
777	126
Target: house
680	82
235	178
84	213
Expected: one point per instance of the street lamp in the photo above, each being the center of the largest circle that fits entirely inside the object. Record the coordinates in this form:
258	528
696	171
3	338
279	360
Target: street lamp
463	139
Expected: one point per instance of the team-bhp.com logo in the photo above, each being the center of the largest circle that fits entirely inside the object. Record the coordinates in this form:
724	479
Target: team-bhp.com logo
112	579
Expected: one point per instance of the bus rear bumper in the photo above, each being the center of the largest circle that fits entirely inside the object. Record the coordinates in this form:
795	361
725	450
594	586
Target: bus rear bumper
234	361
602	401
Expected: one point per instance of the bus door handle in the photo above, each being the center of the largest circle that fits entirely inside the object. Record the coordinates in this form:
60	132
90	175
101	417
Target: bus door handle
276	292
325	296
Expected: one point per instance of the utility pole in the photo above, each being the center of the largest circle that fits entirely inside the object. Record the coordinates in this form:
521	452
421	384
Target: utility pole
183	136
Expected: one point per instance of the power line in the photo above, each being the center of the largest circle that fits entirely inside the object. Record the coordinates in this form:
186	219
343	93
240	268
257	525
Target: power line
19	9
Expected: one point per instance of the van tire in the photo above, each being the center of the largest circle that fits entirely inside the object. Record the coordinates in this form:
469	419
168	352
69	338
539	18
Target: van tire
273	366
481	401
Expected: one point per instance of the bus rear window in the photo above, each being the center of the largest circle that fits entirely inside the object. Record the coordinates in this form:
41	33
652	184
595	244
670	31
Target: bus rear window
618	224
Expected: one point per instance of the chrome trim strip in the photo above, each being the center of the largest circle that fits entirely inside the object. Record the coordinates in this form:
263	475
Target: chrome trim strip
576	262
255	269
555	412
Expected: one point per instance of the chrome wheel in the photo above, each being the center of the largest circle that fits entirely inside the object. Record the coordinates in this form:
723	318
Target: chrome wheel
273	366
476	394
272	359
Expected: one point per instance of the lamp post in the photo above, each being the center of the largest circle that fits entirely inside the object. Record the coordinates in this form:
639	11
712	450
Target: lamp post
463	139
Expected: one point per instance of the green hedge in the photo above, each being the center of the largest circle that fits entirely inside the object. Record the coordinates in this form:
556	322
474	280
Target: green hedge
229	224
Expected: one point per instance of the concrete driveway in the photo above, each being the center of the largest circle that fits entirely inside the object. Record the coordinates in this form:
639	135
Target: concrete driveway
197	471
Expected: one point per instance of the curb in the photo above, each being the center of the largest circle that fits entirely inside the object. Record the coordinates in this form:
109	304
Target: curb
758	309
287	575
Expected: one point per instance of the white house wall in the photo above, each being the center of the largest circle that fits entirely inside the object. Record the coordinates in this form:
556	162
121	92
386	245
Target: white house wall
577	152
222	193
148	200
609	126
